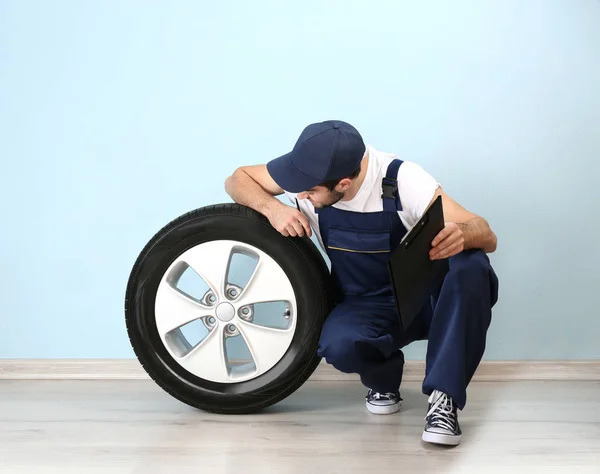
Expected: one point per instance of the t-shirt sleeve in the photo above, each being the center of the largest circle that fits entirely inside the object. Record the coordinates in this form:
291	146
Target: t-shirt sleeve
416	188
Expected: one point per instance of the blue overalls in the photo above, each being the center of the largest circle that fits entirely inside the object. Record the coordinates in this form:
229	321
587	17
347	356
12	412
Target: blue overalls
362	334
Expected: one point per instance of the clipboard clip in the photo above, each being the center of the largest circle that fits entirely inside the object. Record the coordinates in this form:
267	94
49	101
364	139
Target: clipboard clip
414	232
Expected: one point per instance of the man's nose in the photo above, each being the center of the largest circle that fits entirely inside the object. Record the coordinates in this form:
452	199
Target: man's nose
302	195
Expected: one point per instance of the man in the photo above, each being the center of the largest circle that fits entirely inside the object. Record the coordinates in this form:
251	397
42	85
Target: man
342	190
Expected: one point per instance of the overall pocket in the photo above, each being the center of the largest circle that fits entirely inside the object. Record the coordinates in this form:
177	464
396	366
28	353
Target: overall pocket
359	260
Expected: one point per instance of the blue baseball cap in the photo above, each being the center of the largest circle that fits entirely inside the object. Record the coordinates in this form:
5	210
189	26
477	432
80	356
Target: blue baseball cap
326	150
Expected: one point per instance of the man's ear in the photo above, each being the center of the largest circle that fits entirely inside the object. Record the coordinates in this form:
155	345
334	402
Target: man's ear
344	184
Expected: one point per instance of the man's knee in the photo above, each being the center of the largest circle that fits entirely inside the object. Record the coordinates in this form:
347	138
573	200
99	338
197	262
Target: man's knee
469	265
342	353
471	271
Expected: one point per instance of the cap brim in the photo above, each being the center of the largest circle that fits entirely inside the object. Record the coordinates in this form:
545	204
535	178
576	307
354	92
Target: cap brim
288	177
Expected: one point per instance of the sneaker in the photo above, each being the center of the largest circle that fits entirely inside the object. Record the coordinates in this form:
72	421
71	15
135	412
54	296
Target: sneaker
442	420
383	403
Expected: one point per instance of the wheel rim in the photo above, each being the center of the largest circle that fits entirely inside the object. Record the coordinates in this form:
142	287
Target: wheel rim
262	313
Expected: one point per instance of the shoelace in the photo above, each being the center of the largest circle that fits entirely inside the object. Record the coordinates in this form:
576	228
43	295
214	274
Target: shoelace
379	396
442	411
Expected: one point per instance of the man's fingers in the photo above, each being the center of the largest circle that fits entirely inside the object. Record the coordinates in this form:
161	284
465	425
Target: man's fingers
293	224
443	244
291	231
300	224
305	224
453	249
445	232
455	238
298	228
294	227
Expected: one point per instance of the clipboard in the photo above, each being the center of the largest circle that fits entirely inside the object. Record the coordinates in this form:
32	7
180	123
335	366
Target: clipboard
413	274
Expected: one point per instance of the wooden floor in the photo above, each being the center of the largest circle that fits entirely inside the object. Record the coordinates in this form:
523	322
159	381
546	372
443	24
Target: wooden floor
114	427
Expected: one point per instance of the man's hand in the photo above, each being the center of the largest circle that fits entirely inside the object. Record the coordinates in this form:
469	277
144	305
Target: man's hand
289	221
464	230
254	187
448	242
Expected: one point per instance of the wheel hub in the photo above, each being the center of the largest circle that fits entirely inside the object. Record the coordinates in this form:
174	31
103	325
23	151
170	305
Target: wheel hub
225	312
244	334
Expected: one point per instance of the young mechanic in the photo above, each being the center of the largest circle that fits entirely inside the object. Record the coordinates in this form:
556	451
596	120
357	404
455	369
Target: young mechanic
360	202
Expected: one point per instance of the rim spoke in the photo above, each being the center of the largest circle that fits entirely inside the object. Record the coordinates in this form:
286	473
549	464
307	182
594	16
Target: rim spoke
267	345
174	309
268	283
207	356
207	360
211	261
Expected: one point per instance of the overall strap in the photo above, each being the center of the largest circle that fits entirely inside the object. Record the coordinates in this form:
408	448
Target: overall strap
389	186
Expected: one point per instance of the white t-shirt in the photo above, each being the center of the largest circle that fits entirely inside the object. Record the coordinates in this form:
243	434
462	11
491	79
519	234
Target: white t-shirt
416	188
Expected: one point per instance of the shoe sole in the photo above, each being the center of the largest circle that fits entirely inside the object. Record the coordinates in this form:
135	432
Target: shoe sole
383	409
437	438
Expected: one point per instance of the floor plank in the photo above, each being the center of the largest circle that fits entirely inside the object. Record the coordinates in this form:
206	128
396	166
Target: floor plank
134	427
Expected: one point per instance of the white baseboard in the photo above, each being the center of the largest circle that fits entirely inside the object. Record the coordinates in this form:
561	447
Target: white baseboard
130	369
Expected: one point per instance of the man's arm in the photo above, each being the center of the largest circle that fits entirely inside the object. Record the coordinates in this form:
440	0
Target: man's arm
253	186
464	230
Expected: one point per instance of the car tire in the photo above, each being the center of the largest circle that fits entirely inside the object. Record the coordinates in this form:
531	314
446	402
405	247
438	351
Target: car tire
299	260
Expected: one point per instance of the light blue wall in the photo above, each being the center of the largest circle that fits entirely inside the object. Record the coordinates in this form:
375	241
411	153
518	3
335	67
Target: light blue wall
112	113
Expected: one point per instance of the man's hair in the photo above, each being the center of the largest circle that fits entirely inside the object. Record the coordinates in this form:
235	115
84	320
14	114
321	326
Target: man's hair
332	183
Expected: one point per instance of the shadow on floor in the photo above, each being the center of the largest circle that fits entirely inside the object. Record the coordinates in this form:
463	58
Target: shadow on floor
319	396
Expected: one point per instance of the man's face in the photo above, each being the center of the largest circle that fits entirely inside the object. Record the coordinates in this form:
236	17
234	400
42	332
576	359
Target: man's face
321	197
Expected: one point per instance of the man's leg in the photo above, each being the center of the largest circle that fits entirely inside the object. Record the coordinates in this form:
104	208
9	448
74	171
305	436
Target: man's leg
462	312
361	336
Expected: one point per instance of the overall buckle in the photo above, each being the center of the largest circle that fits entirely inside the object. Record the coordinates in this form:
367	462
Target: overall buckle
390	188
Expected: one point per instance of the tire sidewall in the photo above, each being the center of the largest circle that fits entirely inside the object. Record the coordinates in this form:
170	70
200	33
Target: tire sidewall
306	281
